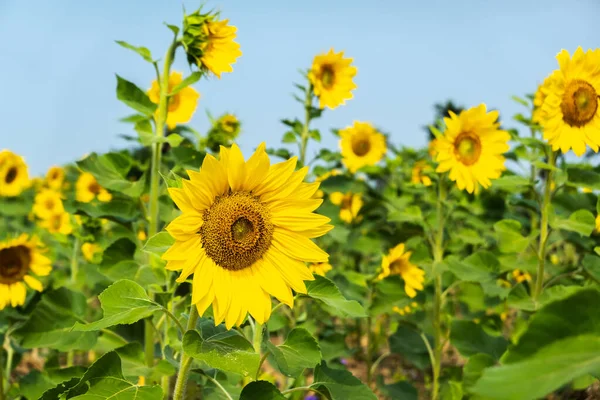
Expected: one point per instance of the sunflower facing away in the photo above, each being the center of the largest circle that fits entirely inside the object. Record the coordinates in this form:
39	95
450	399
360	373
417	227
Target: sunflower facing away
320	268
331	77
14	177
47	203
418	173
55	177
58	223
397	262
87	189
181	105
19	258
472	147
245	234
361	145
571	115
350	205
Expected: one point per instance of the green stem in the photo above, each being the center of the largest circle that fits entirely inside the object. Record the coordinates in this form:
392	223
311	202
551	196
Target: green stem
217	384
70	358
186	361
303	389
75	260
378	361
544	231
262	360
1	379
305	128
258	336
174	318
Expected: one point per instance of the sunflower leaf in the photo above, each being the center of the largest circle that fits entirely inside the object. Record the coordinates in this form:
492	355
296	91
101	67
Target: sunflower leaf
325	290
190	80
469	339
110	170
299	351
134	97
142	51
159	243
261	390
340	384
581	221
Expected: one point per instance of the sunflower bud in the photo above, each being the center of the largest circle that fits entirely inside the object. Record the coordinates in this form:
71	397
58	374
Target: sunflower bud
223	132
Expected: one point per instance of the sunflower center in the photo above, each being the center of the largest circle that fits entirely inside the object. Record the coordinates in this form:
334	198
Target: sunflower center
94	188
237	230
398	267
467	148
327	76
11	175
579	103
56	221
361	147
49	204
14	264
346	203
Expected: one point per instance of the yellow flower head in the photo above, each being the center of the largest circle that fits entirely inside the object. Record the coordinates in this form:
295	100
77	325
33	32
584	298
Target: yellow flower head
418	173
47	203
397	262
350	205
538	100
87	189
361	145
598	223
472	147
245	234
521	276
55	177
89	250
554	259
181	106
229	124
141	235
571	118
320	268
14	177
58	223
331	77
19	259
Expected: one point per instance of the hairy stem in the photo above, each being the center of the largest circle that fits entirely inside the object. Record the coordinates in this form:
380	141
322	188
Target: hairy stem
186	361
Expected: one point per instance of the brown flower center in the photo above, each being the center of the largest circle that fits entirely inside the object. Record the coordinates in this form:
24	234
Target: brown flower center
94	187
14	264
398	267
11	175
327	76
361	146
579	103
467	148
237	230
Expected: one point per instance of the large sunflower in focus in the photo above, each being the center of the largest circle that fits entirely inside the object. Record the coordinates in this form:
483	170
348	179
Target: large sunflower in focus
331	77
181	105
19	258
245	234
571	113
361	145
14	177
472	147
397	262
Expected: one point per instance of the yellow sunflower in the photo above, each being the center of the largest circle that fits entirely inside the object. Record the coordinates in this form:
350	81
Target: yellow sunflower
472	147
521	276
397	262
320	268
361	145
89	250
55	177
350	205
570	109
14	177
141	235
245	234
331	77
230	124
87	189
58	223
181	106
418	173
19	258
47	203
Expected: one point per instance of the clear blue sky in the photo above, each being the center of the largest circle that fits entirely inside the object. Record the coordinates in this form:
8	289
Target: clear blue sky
59	58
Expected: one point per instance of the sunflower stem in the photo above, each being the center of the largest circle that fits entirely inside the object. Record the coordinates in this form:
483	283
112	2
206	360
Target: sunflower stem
75	260
1	381
257	337
305	129
186	361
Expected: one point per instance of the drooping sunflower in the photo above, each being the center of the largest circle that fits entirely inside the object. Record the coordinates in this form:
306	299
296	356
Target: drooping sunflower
361	145
350	205
58	223
19	259
89	250
419	171
47	203
472	148
245	234
397	262
55	177
331	77
181	105
571	113
320	268
87	189
14	177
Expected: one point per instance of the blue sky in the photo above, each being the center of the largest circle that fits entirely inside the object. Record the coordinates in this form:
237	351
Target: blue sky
59	60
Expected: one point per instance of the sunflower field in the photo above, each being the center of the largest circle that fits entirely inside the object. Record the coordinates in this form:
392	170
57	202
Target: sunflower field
181	268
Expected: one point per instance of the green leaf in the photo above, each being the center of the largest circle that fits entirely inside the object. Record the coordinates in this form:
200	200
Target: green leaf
133	363
315	135
325	290
512	183
38	385
299	351
408	214
124	302
173	28
474	368
510	240
119	208
581	221
519	297
190	80
49	325
134	97
399	390
478	267
142	51
451	390
109	170
289	137
340	384
545	371
591	265
261	390
521	101
585	178
159	243
408	342
469	339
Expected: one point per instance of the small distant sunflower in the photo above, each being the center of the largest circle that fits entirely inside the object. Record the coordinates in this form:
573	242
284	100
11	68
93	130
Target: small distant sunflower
521	276
350	205
87	189
472	147
14	177
538	101
418	173
361	145
320	268
406	309
89	250
19	259
397	262
229	124
55	177
571	113
331	77
141	235
58	223
181	106
245	234
47	203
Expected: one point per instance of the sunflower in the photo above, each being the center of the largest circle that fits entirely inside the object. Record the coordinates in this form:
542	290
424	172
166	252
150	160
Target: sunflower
521	276
472	147
320	268
361	145
418	173
350	205
55	177
229	124
331	78
141	235
571	115
89	250
397	262
245	234
87	189
181	105
14	177
58	223
19	258
47	203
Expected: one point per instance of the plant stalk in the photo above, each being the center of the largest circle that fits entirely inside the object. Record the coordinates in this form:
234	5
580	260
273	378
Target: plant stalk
186	361
305	128
75	260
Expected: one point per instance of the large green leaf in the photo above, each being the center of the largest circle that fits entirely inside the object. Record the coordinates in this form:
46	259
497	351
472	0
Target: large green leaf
134	97
159	243
581	221
510	239
519	297
340	384
584	178
124	302
409	343
325	290
591	265
261	390
109	170
469	338
133	363
512	183
299	351
400	390
478	267
35	384
120	208
474	368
